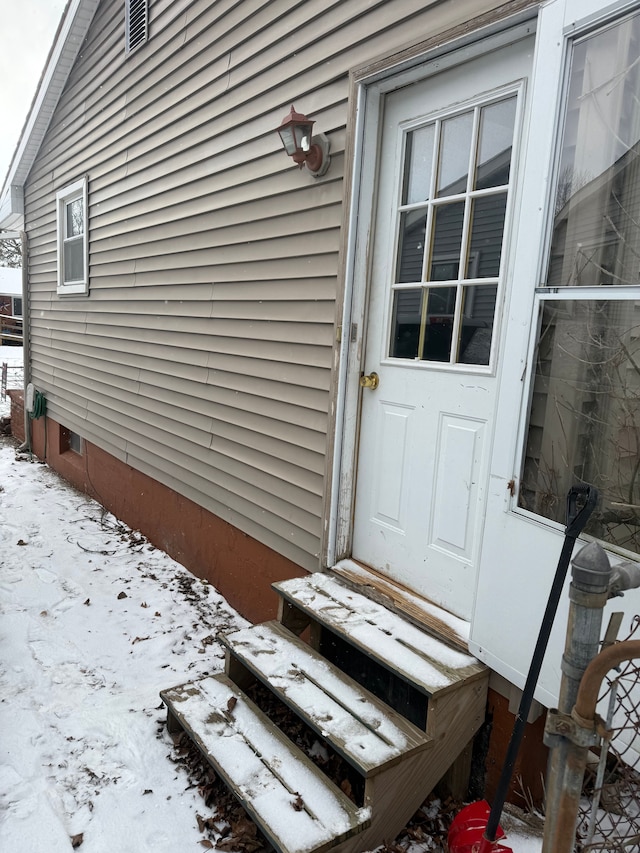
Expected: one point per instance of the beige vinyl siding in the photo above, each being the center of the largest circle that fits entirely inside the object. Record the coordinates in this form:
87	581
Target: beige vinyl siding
203	354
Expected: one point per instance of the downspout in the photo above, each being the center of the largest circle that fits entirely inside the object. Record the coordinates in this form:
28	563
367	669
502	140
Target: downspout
26	338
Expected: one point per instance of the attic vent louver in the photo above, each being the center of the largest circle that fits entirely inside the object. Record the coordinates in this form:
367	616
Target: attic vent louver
137	23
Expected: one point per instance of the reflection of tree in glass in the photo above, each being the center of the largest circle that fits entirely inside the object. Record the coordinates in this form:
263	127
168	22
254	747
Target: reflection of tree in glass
75	218
569	182
585	416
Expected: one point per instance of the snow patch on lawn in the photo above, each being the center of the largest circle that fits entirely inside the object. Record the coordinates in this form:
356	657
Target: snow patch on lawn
93	623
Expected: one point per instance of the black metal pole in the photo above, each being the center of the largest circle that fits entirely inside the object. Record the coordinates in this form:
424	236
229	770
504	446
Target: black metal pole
576	520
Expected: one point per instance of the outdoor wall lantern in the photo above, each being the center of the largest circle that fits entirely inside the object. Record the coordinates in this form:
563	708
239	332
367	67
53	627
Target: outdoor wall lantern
305	149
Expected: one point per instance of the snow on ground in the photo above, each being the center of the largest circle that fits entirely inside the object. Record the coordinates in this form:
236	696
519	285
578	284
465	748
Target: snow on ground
93	623
12	357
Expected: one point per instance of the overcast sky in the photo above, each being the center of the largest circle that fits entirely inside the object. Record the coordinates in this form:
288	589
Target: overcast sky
26	35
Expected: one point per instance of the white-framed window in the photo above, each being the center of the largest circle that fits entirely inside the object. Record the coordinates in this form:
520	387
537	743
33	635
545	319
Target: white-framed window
73	245
136	23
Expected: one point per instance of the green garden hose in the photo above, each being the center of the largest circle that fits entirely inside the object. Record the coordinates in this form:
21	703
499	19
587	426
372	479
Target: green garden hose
39	406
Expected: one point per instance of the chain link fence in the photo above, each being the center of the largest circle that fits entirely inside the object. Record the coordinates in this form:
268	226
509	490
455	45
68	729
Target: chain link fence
609	818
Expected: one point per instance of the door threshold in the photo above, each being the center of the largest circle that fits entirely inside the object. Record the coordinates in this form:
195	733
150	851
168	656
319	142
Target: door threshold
425	614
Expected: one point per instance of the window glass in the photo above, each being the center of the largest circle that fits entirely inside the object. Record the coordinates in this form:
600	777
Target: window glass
452	236
457	134
418	165
584	424
74	260
407	311
75	218
411	245
448	220
72	238
494	146
438	330
478	311
584	420
487	228
596	235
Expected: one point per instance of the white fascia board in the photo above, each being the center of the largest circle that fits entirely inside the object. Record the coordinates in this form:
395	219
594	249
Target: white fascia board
71	34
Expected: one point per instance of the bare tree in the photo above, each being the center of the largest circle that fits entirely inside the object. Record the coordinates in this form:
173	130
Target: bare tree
10	252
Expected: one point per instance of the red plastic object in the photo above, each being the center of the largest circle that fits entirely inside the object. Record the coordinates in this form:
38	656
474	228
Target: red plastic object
466	834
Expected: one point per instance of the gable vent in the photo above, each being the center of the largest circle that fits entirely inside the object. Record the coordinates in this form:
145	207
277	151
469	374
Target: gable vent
137	23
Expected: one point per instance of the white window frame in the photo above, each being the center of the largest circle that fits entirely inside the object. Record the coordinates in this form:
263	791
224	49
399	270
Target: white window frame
72	192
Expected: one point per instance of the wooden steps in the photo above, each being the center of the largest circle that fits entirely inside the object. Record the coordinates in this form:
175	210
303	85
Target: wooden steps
359	727
343	685
429	664
280	788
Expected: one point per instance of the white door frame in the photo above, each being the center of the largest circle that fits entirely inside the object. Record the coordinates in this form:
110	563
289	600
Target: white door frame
369	97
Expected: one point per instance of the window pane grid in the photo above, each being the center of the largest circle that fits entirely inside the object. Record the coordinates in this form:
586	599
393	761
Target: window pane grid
450	240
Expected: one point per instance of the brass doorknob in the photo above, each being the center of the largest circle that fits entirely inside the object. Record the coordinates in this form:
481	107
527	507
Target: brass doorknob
371	380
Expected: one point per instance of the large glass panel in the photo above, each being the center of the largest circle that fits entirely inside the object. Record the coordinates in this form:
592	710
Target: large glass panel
495	144
596	237
74	260
456	150
411	246
75	218
476	328
418	165
407	318
584	424
441	305
487	229
448	220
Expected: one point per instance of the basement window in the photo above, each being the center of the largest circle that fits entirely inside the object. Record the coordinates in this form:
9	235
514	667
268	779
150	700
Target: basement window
70	440
137	23
73	258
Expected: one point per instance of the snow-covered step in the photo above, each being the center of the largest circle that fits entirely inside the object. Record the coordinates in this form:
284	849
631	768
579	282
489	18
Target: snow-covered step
427	615
363	730
431	666
295	806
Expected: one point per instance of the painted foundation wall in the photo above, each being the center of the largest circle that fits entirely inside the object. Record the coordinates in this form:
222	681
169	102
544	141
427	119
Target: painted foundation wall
240	567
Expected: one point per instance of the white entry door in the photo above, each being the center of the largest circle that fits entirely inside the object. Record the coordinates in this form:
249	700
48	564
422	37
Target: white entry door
438	277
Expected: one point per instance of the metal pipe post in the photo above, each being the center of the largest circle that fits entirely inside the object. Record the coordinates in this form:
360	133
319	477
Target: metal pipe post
588	594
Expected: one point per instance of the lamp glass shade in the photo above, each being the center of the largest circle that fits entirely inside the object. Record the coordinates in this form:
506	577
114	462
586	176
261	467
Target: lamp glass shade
294	128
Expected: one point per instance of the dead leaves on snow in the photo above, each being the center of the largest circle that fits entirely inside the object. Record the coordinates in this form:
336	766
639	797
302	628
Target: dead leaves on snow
76	840
240	834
